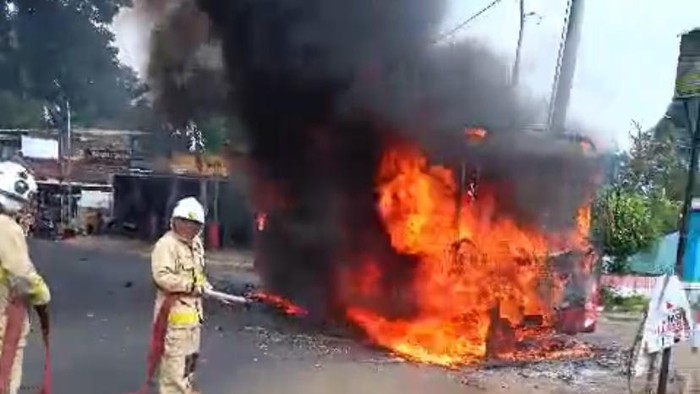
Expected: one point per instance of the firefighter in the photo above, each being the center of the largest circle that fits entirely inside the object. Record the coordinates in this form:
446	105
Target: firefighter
19	280
178	272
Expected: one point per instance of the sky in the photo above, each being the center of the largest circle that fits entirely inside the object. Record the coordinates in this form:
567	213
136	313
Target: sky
626	61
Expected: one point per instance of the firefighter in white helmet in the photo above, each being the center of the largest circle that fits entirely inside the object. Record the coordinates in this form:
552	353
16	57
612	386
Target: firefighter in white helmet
19	280
178	272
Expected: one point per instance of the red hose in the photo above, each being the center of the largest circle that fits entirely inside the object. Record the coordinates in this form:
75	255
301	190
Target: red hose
157	345
15	315
47	384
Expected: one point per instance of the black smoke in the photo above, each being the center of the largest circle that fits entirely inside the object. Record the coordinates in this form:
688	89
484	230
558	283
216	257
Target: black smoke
298	71
185	76
323	87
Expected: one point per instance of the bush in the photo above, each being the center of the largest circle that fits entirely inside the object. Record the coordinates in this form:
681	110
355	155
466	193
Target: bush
623	224
614	302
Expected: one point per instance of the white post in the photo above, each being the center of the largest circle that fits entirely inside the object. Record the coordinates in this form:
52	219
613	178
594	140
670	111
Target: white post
69	149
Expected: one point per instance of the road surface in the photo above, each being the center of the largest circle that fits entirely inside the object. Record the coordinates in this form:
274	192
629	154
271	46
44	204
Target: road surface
101	312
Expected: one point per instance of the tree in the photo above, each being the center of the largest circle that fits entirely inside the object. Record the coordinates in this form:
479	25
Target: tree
56	49
644	196
655	165
655	169
19	114
623	224
214	131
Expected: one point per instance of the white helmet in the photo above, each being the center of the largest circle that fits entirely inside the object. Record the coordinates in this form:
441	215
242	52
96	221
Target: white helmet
17	186
189	209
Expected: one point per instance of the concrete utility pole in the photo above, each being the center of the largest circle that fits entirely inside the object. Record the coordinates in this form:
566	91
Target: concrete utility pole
515	78
566	68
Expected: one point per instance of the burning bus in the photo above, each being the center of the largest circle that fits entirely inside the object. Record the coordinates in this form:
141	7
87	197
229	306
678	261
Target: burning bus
577	171
465	274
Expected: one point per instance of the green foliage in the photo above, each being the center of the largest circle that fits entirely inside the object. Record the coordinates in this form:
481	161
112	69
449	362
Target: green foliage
654	165
665	213
215	133
51	50
18	114
219	131
623	223
616	303
644	199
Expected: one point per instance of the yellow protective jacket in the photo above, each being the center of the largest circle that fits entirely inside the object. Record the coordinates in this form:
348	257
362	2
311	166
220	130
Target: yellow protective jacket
17	273
178	268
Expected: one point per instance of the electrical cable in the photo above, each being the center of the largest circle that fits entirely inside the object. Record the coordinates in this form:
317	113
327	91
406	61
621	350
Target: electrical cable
451	32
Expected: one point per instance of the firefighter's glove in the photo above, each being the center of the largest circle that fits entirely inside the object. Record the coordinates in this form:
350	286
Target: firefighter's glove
39	293
199	284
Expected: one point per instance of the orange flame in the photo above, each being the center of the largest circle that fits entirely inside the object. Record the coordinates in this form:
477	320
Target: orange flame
280	303
475	134
586	147
261	221
470	264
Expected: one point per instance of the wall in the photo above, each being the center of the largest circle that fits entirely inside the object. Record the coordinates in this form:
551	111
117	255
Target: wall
630	285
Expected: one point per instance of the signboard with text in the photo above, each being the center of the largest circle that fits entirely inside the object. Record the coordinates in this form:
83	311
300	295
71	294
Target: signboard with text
669	321
107	156
39	148
207	165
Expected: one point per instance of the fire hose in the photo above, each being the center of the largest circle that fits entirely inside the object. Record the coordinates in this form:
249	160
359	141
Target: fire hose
228	298
15	315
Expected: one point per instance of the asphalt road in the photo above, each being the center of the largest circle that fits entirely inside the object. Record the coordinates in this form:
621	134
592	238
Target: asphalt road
101	314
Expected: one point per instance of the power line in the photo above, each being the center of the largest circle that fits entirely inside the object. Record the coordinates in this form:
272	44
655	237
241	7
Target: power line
449	33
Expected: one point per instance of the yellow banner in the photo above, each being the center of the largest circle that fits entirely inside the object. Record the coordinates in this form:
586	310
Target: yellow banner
206	165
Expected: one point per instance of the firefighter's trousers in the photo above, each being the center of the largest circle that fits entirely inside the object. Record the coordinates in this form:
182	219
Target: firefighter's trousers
16	372
179	361
16	375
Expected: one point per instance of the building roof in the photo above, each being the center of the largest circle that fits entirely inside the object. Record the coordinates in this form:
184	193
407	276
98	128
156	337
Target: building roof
77	131
48	170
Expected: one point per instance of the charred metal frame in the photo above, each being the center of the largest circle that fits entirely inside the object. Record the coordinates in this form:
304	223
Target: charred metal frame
469	176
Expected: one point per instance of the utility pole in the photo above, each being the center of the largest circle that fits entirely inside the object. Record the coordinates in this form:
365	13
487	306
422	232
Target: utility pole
59	117
69	152
566	68
515	78
688	92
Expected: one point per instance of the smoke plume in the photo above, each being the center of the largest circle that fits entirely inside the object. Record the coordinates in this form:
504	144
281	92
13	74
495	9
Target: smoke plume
185	71
323	86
